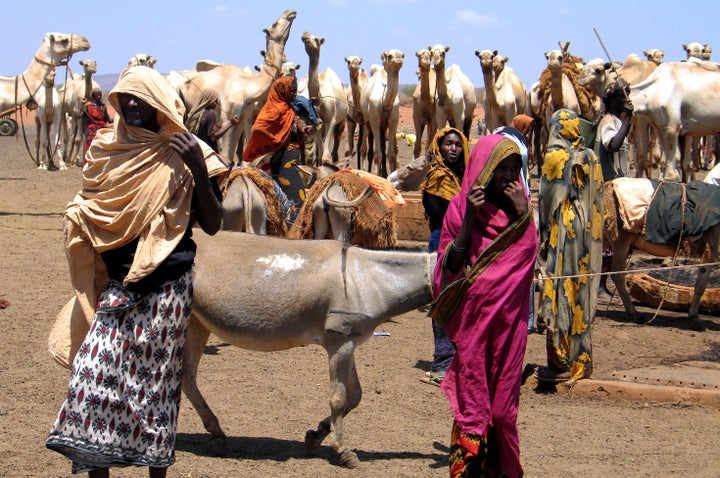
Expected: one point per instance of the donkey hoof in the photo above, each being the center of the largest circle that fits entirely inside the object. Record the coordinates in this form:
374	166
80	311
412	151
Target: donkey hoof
348	458
313	439
699	325
218	444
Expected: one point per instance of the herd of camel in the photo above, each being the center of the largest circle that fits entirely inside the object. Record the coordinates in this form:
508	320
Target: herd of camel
671	100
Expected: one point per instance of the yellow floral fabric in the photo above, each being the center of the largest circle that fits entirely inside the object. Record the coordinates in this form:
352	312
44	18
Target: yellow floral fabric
571	211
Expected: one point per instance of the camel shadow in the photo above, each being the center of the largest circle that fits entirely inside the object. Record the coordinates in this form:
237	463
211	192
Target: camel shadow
280	450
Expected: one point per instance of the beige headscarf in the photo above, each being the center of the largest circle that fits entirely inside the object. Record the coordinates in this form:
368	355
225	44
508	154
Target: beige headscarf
134	186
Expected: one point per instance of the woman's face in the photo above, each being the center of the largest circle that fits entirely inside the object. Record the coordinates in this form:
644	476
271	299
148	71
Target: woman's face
506	172
451	148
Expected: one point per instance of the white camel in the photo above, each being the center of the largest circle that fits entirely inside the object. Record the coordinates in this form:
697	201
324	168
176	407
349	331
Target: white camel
654	55
424	98
456	99
596	75
380	108
505	94
275	310
239	91
73	93
327	92
358	80
48	125
679	98
55	48
142	59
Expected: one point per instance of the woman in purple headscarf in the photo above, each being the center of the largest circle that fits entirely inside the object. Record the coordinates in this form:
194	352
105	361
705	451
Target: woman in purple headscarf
486	259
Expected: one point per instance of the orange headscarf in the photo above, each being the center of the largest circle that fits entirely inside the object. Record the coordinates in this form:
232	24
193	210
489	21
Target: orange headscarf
522	123
272	126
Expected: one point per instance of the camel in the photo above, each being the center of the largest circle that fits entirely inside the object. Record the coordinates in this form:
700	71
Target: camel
621	241
558	87
695	50
654	55
694	147
275	310
424	101
358	80
55	49
456	99
505	94
410	176
380	108
327	93
48	123
239	91
73	93
596	75
142	59
678	98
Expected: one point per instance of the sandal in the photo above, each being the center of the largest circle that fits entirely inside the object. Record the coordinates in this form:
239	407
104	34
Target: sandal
546	374
433	378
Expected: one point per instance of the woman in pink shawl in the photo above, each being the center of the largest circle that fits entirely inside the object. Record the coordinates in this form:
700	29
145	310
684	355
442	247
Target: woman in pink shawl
486	259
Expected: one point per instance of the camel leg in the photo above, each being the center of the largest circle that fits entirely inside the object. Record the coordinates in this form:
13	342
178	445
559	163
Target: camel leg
392	146
345	396
192	353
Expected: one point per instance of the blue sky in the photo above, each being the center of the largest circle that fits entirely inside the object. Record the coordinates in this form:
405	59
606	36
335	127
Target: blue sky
181	32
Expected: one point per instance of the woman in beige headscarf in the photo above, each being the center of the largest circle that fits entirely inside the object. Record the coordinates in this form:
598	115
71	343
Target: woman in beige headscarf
129	244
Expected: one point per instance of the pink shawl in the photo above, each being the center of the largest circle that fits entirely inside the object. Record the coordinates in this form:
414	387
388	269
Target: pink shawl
489	329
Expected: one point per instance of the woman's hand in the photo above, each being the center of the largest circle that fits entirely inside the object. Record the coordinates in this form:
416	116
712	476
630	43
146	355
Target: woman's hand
515	193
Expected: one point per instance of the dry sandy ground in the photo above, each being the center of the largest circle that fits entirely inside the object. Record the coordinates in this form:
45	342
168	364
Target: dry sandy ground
266	401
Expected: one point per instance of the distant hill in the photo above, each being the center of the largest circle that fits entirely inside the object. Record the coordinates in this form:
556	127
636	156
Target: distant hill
106	82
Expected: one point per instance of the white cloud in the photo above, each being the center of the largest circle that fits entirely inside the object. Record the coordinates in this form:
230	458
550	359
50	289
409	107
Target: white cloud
223	10
469	17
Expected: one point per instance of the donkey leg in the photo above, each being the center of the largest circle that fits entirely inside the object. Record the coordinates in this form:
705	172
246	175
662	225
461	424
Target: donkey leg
345	396
694	311
621	251
192	353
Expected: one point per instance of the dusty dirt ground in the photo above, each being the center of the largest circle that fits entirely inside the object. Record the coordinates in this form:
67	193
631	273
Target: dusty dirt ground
266	401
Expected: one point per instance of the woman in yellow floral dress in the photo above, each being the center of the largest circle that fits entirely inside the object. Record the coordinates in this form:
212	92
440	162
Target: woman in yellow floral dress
571	221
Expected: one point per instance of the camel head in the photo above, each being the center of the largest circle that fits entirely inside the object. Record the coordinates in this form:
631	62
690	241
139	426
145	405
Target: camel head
289	68
438	55
654	55
555	59
707	51
593	75
693	50
142	59
57	48
392	60
89	66
486	60
424	59
280	29
498	63
354	63
312	44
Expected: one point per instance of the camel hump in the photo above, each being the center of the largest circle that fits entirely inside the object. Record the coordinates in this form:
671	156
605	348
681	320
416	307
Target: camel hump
206	65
